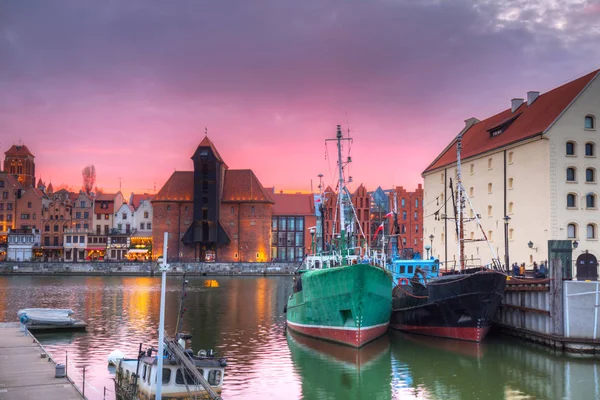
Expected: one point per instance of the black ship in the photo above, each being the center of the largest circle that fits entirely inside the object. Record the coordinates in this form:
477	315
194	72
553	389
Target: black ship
458	306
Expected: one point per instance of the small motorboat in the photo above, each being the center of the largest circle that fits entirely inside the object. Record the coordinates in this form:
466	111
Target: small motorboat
45	319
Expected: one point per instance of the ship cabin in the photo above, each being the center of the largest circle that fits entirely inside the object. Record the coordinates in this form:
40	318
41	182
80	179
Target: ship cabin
177	382
406	269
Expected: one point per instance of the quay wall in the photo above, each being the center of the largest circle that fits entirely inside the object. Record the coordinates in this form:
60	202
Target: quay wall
146	269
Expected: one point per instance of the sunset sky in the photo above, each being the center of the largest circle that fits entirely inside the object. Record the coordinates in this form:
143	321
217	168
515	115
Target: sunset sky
130	86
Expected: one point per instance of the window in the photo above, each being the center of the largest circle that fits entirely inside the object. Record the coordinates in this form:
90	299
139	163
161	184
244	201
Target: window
510	234
441	179
489	163
148	226
490	235
252	210
169	207
571	231
590	200
510	157
416	203
416	215
489	188
591	231
106	216
98	216
589	149
166	376
214	377
471	191
55	240
571	200
55	228
489	211
78	215
472	169
510	207
404	215
68	239
570	148
124	215
29	205
404	201
142	225
590	122
82	204
417	228
571	175
86	214
232	211
75	239
590	175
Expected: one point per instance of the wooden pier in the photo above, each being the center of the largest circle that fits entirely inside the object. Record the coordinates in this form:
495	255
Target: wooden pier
27	371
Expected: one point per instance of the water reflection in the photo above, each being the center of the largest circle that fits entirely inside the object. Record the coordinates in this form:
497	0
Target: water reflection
333	371
243	320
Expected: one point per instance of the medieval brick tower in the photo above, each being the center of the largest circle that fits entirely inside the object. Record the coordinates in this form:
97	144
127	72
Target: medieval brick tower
206	233
19	161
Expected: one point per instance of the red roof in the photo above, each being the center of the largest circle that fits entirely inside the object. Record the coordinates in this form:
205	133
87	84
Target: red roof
241	185
109	199
136	199
206	142
530	121
179	187
18	150
11	180
293	204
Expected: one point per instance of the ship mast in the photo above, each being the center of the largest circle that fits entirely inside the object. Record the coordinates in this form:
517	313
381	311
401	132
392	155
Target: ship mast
461	204
341	191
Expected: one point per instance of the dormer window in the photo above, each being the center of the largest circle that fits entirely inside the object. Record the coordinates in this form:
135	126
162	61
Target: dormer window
502	126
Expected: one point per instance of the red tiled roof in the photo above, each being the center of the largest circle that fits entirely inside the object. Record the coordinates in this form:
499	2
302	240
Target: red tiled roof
531	121
206	142
241	185
136	199
106	197
179	187
109	198
293	204
18	150
11	180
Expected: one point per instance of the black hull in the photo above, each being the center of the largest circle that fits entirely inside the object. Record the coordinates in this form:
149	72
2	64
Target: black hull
457	306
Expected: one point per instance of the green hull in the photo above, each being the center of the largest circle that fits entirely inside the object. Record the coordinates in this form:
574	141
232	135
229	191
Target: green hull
350	305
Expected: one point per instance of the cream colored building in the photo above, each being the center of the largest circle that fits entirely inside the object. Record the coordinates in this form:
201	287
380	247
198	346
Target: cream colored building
536	163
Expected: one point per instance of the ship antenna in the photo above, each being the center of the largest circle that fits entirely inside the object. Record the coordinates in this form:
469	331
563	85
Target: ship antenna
461	204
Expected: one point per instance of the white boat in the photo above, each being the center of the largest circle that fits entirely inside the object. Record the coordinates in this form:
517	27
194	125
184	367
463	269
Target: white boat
135	378
37	319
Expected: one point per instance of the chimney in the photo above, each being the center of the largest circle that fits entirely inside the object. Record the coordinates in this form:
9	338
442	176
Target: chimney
470	122
515	103
531	97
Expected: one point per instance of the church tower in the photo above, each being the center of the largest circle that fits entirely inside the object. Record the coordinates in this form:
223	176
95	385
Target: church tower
19	161
206	233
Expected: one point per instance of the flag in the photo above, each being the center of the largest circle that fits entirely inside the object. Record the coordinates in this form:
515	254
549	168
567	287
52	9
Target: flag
390	214
379	228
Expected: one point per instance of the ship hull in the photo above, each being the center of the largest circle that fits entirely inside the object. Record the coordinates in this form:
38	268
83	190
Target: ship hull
349	305
457	307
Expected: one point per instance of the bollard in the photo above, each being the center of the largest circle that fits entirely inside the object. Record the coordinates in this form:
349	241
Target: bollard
59	371
83	383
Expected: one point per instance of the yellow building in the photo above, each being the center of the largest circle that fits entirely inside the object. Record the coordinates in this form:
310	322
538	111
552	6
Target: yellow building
535	163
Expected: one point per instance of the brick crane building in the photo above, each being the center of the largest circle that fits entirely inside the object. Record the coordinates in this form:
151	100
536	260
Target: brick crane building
212	213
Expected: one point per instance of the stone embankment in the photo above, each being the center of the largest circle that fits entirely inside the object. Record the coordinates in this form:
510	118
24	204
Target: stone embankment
145	269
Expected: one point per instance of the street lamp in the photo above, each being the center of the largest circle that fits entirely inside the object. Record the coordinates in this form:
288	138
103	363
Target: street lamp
530	245
431	243
312	230
506	255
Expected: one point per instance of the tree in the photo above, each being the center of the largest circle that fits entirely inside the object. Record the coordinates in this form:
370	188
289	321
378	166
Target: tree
89	178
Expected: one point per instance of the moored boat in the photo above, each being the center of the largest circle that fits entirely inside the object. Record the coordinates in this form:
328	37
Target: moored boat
47	319
338	295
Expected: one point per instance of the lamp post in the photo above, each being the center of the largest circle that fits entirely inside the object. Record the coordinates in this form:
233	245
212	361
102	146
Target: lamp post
506	254
312	230
431	243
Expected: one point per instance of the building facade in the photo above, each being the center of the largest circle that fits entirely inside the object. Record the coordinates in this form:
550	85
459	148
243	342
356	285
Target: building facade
21	243
409	206
530	173
292	222
82	212
19	161
55	221
10	190
212	213
30	205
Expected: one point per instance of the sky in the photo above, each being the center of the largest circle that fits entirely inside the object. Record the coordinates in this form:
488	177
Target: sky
131	86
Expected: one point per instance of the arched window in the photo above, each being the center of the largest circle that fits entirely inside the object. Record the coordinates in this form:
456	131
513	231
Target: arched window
510	183
490	235
571	175
490	163
442	237
489	188
590	122
510	234
489	211
472	169
590	175
570	148
442	178
590	200
571	200
510	207
510	157
590	149
572	231
471	191
591	231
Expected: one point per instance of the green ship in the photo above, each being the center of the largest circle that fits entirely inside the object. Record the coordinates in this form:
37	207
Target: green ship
338	296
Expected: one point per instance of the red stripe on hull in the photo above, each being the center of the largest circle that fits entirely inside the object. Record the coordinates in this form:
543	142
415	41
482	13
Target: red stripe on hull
472	334
350	337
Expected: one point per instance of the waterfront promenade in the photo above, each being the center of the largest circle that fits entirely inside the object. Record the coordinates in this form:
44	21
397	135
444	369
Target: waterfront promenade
24	373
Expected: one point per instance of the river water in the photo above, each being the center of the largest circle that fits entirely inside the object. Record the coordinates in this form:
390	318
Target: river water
243	320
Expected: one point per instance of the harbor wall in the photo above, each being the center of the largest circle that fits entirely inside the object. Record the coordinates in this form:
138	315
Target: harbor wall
146	269
558	313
